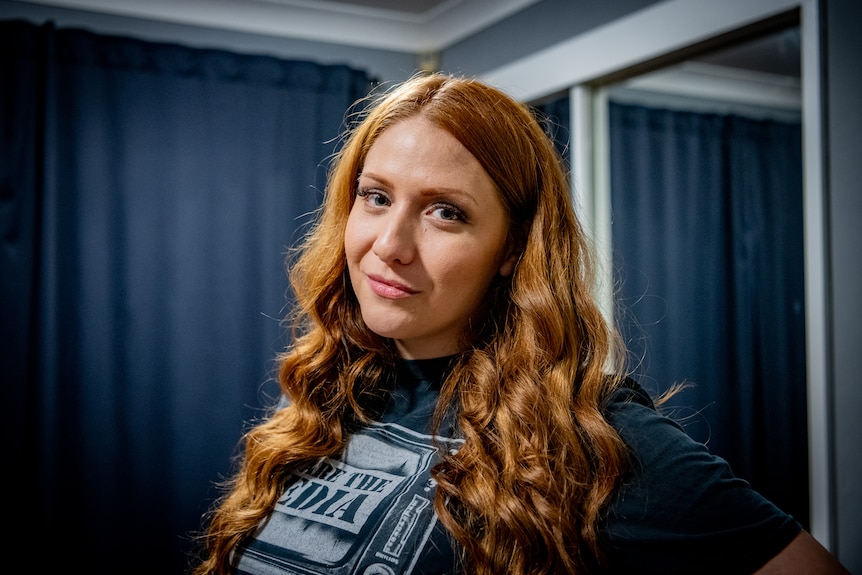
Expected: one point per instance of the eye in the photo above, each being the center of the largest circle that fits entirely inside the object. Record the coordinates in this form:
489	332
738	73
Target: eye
448	212
373	197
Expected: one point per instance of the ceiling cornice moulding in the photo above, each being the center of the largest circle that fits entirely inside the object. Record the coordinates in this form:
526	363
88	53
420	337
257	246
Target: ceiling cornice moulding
323	21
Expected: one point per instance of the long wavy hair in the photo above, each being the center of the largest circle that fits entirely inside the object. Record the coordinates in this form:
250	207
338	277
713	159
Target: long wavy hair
525	492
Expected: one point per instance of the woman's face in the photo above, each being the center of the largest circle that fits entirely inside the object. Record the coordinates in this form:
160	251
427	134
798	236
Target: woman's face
426	235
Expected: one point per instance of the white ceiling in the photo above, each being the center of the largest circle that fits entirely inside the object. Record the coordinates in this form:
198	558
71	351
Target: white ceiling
413	26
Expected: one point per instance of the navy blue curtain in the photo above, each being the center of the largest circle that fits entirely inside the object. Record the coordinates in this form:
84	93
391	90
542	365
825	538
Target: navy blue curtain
708	255
148	195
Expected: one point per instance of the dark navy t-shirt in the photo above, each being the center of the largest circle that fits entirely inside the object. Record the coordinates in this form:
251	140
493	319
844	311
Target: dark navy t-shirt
681	510
369	511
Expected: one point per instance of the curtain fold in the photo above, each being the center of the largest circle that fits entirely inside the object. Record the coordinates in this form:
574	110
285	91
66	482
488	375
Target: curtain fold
708	254
150	193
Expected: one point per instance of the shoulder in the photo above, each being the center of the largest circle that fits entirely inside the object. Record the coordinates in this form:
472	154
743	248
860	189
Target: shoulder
681	509
628	391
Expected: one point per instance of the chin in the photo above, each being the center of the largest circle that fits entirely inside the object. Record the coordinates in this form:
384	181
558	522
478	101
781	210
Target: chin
385	329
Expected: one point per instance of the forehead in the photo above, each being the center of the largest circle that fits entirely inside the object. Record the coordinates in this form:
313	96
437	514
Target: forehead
418	140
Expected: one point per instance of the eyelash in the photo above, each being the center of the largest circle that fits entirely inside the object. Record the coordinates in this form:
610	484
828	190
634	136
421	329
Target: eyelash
458	214
366	192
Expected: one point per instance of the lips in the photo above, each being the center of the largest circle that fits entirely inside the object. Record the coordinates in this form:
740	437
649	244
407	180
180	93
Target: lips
389	289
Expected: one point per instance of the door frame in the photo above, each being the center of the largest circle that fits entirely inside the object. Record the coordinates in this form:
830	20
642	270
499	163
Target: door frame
652	38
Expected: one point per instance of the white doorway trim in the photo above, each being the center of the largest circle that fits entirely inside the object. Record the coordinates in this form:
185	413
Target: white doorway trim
651	34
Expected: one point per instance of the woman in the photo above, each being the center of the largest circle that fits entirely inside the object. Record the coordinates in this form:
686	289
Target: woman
454	400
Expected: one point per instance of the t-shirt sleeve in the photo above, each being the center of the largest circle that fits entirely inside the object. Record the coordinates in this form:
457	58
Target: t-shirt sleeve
681	509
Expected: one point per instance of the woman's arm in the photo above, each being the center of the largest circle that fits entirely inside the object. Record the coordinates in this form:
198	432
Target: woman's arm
804	555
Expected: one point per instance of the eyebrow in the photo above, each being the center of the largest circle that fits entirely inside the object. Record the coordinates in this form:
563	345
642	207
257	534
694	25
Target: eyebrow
426	192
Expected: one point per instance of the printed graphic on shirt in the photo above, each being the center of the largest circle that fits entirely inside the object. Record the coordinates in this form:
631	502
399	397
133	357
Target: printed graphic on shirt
369	512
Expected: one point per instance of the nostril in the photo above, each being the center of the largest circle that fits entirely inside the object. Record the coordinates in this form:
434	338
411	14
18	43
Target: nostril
395	245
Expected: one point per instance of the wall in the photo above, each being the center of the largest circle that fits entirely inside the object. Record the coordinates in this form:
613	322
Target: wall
532	29
842	47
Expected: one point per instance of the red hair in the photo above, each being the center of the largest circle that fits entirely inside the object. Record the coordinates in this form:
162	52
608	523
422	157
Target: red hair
539	462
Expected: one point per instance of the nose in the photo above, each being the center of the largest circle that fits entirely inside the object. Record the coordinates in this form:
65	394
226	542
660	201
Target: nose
396	238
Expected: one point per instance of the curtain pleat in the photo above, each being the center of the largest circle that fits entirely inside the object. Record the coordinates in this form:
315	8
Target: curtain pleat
150	193
708	256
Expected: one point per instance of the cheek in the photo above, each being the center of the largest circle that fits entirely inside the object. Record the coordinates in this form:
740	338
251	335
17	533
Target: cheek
471	273
353	240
